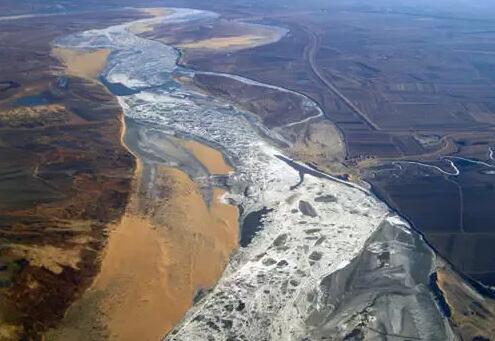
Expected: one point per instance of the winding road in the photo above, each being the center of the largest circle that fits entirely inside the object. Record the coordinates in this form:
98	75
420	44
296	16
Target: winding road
310	55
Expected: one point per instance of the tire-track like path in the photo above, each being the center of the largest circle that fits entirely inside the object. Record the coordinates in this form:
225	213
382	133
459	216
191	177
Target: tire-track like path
310	55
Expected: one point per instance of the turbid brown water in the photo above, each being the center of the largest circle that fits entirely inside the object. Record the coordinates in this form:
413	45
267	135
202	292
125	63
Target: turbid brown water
155	261
211	158
82	63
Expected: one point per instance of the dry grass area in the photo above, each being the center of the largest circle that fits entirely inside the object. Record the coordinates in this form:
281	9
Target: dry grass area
35	115
50	257
211	158
81	63
473	315
62	181
318	141
65	182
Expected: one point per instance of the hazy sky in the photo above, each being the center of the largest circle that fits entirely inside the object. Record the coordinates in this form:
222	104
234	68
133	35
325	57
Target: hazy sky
459	8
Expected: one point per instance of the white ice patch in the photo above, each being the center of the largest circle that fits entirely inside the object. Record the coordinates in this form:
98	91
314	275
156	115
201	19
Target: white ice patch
125	80
399	223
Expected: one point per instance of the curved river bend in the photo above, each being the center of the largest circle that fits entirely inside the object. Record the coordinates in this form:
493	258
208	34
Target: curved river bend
278	286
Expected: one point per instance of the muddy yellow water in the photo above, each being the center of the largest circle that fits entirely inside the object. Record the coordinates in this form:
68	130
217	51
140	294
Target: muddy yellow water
85	64
155	261
211	158
157	11
140	27
242	41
